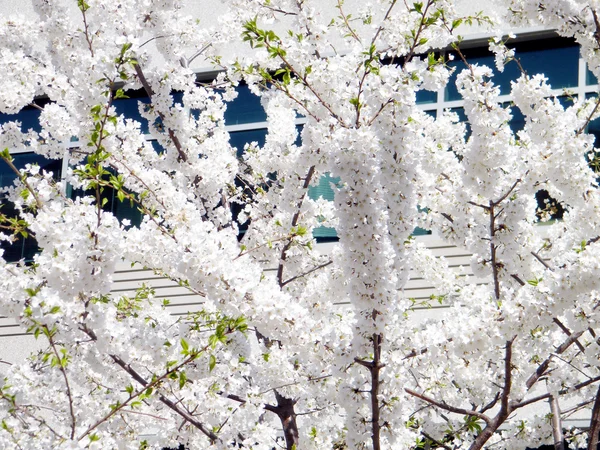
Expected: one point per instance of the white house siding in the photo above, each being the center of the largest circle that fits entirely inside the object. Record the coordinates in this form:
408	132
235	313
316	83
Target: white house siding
128	278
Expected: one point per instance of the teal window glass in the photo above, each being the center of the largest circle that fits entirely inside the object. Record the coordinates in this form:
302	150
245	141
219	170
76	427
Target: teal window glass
590	78
238	139
324	189
424	97
479	57
23	248
121	209
593	128
462	117
245	108
547	203
517	123
28	116
556	58
129	107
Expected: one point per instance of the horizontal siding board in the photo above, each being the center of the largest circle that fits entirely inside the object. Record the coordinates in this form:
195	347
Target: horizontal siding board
128	278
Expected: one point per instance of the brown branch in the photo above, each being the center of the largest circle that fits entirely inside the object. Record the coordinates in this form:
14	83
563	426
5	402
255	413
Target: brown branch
140	74
435	441
375	382
540	259
172	405
86	30
448	217
557	434
561	392
512	188
63	371
287	415
491	404
346	22
478	205
504	404
568	333
23	180
307	273
518	279
306	84
295	219
495	273
417	38
589	118
594	430
541	370
443	405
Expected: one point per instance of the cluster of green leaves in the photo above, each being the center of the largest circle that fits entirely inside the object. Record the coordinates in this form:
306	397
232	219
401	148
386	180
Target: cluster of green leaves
132	306
258	38
82	5
426	303
220	326
471	425
16	225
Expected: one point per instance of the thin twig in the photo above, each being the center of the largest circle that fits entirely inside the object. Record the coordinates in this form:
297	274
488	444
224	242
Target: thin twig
307	273
63	370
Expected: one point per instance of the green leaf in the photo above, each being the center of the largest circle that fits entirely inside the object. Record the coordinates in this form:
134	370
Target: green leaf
182	379
212	362
185	347
120	94
5	154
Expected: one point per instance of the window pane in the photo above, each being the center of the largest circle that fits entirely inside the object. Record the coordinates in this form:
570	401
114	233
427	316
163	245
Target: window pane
238	139
590	78
28	116
22	248
246	108
121	209
426	97
129	107
481	57
556	58
323	189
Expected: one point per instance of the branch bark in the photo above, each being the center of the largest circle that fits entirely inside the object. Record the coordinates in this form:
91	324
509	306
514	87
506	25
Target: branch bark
295	219
559	441
594	430
287	415
140	74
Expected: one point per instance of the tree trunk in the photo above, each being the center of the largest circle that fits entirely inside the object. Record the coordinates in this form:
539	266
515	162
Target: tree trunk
287	415
594	424
375	368
559	441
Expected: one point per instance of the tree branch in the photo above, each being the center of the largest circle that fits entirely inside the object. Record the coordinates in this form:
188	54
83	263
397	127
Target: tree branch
295	219
140	74
559	441
62	367
449	408
594	430
306	273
